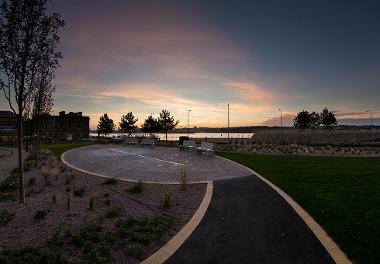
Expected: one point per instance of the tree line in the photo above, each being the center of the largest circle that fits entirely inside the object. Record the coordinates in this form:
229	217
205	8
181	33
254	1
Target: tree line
164	123
305	120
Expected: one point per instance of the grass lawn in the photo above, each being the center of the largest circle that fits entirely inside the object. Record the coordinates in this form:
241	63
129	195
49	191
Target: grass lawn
341	194
60	148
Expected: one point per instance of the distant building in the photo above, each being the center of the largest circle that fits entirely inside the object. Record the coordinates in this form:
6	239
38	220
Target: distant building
8	124
70	126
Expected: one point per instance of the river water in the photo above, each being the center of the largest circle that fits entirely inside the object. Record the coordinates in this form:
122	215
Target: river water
175	136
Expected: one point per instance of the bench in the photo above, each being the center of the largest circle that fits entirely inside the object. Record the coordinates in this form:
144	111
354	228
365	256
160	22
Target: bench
207	148
148	142
187	145
131	141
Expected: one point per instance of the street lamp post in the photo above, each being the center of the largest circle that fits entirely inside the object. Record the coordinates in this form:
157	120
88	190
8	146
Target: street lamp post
188	122
280	109
228	122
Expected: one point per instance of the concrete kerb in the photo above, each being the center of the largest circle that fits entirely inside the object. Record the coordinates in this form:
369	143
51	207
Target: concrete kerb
332	248
164	253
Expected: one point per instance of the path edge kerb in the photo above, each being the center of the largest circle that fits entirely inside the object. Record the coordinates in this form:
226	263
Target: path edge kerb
328	243
164	253
121	179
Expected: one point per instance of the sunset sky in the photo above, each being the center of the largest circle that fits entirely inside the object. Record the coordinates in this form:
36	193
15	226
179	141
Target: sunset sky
258	56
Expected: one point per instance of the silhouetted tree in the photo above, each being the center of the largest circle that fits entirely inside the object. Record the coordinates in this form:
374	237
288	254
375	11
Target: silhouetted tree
328	119
27	36
315	120
167	122
105	125
302	120
151	125
127	124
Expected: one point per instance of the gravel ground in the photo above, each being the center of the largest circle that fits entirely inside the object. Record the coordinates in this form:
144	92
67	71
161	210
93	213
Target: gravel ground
25	230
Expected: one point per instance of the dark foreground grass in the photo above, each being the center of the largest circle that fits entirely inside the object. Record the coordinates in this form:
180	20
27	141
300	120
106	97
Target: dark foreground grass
60	148
341	194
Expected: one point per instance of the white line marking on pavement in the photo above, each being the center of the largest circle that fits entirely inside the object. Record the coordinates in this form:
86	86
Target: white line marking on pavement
142	156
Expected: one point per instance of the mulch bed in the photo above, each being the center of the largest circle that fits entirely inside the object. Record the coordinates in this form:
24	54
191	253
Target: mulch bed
48	189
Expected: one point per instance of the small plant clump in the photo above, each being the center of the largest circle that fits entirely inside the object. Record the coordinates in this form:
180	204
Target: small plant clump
7	197
70	177
32	181
136	187
40	214
113	212
79	192
135	251
6	216
184	178
9	184
30	254
111	181
168	198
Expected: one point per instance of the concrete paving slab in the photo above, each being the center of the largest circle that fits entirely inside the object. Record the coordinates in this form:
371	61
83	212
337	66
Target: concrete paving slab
158	164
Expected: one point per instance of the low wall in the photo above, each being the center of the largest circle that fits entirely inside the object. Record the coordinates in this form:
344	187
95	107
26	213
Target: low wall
319	137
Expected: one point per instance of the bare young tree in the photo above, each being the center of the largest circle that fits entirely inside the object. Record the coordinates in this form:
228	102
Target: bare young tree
42	103
28	36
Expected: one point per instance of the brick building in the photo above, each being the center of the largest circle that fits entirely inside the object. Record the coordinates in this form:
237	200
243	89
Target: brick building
70	126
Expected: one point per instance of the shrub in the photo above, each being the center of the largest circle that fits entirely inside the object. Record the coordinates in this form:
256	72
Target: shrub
40	214
136	187
9	184
91	232
111	181
135	251
113	212
31	255
7	197
32	181
106	195
79	192
57	237
168	197
101	254
5	217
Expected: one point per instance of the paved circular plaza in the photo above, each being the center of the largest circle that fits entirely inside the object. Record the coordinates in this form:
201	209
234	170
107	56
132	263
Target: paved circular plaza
151	164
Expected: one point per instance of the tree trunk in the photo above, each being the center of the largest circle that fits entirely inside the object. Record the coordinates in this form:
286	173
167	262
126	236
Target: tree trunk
21	190
166	133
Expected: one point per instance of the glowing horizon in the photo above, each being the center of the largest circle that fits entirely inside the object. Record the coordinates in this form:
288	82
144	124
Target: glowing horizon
146	56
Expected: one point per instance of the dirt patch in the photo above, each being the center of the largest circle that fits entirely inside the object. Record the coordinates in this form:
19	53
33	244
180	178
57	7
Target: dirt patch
93	201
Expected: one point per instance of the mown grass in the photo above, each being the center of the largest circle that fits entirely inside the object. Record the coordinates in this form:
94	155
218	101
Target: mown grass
60	148
341	194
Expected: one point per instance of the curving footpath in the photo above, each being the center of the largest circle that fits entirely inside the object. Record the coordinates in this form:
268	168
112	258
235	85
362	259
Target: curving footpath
241	219
248	222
